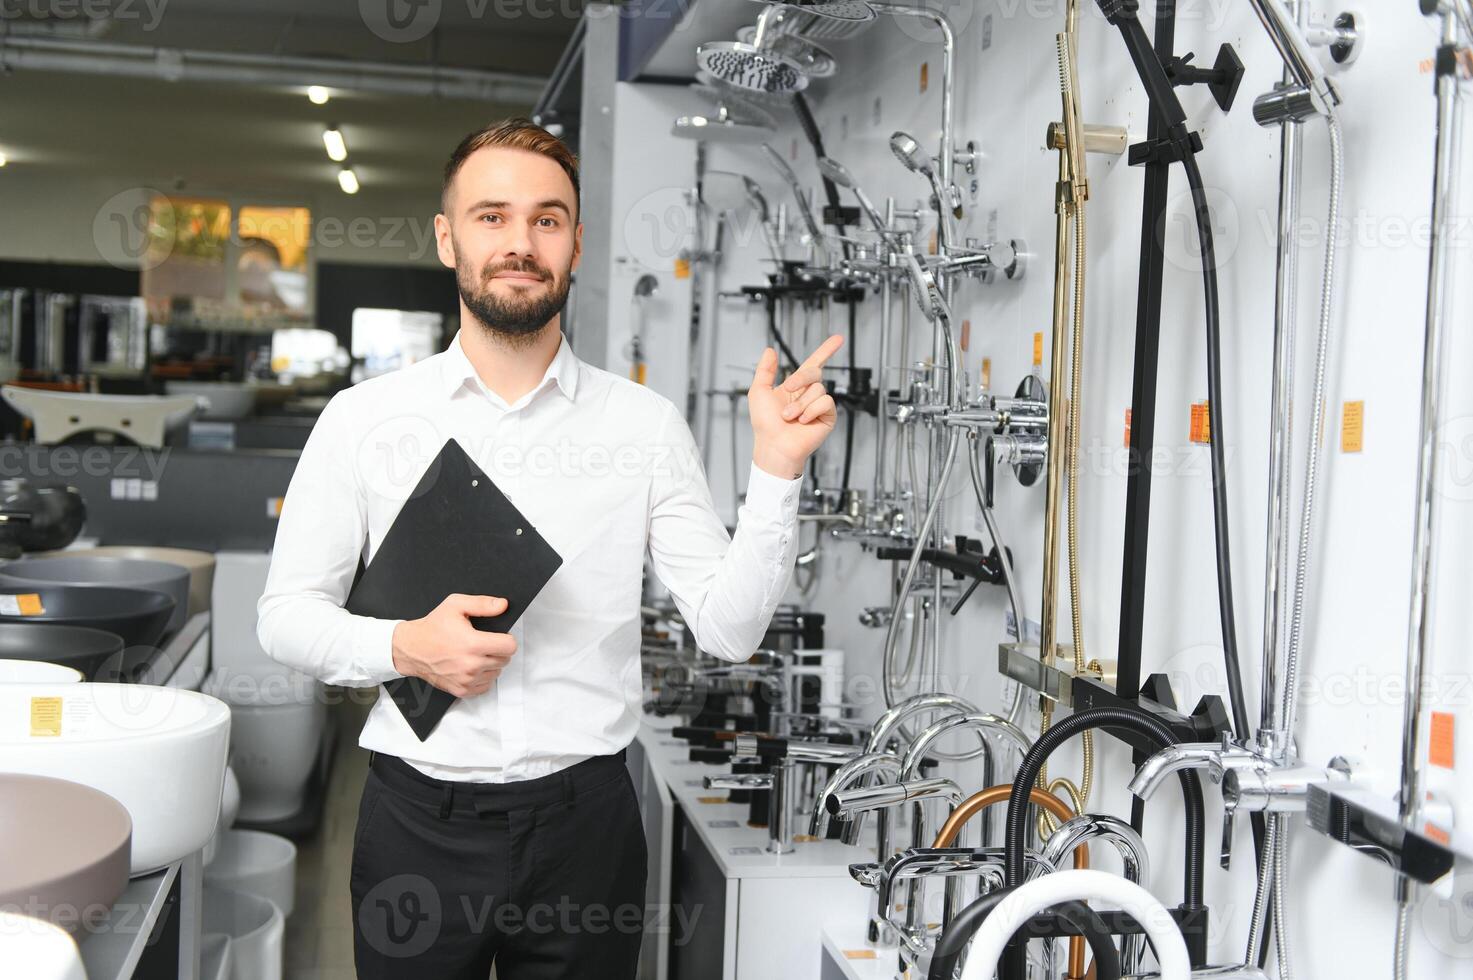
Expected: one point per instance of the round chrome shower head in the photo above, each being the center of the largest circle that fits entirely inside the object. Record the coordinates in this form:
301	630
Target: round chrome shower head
736	94
751	68
812	59
733	104
909	152
718	129
832	20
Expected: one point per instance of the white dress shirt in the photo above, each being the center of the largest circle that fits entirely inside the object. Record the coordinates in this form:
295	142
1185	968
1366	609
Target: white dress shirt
607	471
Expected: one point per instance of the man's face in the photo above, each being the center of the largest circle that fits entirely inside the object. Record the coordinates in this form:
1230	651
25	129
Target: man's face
510	233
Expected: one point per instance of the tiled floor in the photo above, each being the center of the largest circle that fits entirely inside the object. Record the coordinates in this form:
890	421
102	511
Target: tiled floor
319	935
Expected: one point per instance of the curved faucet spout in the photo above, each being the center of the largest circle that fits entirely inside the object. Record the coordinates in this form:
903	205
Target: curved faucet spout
1215	757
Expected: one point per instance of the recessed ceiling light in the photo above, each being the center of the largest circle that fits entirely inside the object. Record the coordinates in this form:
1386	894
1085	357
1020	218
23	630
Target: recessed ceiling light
348	180
337	147
318	94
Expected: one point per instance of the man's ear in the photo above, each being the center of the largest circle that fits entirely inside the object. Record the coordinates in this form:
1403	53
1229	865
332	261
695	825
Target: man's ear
577	246
444	245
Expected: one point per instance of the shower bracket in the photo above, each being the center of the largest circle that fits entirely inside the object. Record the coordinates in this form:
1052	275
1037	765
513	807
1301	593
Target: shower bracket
1222	79
1021	662
1207	722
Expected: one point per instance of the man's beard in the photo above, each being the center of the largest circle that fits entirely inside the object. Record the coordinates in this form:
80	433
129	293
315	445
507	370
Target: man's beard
514	319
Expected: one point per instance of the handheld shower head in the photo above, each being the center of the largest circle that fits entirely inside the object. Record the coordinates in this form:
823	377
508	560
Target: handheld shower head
781	166
755	197
839	174
908	152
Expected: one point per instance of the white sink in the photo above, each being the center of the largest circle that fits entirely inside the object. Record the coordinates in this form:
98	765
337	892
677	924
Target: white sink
37	672
159	751
38	950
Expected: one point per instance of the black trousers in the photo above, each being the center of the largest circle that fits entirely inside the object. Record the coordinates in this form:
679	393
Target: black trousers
545	878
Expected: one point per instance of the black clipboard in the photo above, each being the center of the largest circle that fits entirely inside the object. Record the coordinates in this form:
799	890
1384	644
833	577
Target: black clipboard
457	533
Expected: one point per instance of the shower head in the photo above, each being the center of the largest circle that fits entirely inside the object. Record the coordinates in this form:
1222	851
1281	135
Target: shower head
810	58
836	171
834	20
839	174
755	196
738	95
734	104
749	67
720	129
781	166
908	152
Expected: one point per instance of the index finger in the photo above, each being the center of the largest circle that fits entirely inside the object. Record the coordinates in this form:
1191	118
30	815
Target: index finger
809	371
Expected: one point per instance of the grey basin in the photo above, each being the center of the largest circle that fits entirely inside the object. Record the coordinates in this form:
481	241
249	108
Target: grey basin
66	849
201	565
105	570
97	654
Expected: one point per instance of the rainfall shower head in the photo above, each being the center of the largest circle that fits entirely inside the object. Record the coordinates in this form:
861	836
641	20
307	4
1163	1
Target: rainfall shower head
810	58
720	129
908	152
738	95
751	68
734	103
833	20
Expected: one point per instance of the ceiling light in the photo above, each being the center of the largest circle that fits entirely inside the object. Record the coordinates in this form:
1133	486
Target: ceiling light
318	94
348	180
337	147
3	161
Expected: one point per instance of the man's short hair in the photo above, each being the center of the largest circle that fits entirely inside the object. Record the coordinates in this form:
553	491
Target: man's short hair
518	133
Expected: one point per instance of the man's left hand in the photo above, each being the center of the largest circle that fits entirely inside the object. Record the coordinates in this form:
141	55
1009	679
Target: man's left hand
790	420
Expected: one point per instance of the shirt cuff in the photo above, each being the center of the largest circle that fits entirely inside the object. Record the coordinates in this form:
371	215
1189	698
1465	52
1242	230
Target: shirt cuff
376	649
771	497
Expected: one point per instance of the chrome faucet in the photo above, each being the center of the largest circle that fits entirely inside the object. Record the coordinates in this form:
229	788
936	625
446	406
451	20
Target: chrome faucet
1127	843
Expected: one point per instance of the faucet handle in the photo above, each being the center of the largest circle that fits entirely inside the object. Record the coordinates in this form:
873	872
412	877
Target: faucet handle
1229	824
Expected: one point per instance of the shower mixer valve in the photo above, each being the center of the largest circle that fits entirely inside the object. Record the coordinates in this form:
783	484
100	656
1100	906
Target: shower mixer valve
1256	778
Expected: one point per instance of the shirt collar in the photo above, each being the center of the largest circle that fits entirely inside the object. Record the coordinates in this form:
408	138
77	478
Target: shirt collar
457	369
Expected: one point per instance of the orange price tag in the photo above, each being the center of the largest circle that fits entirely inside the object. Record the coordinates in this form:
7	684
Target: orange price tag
1127	428
1440	745
1038	349
987	372
682	268
1353	427
711	799
1201	430
861	954
966	334
1437	833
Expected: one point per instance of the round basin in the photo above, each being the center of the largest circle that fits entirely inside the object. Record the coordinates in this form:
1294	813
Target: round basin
136	616
96	654
37	672
106	571
158	751
64	856
38	950
201	565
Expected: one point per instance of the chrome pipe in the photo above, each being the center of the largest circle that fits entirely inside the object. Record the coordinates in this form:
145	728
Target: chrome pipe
1434	382
1281	433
